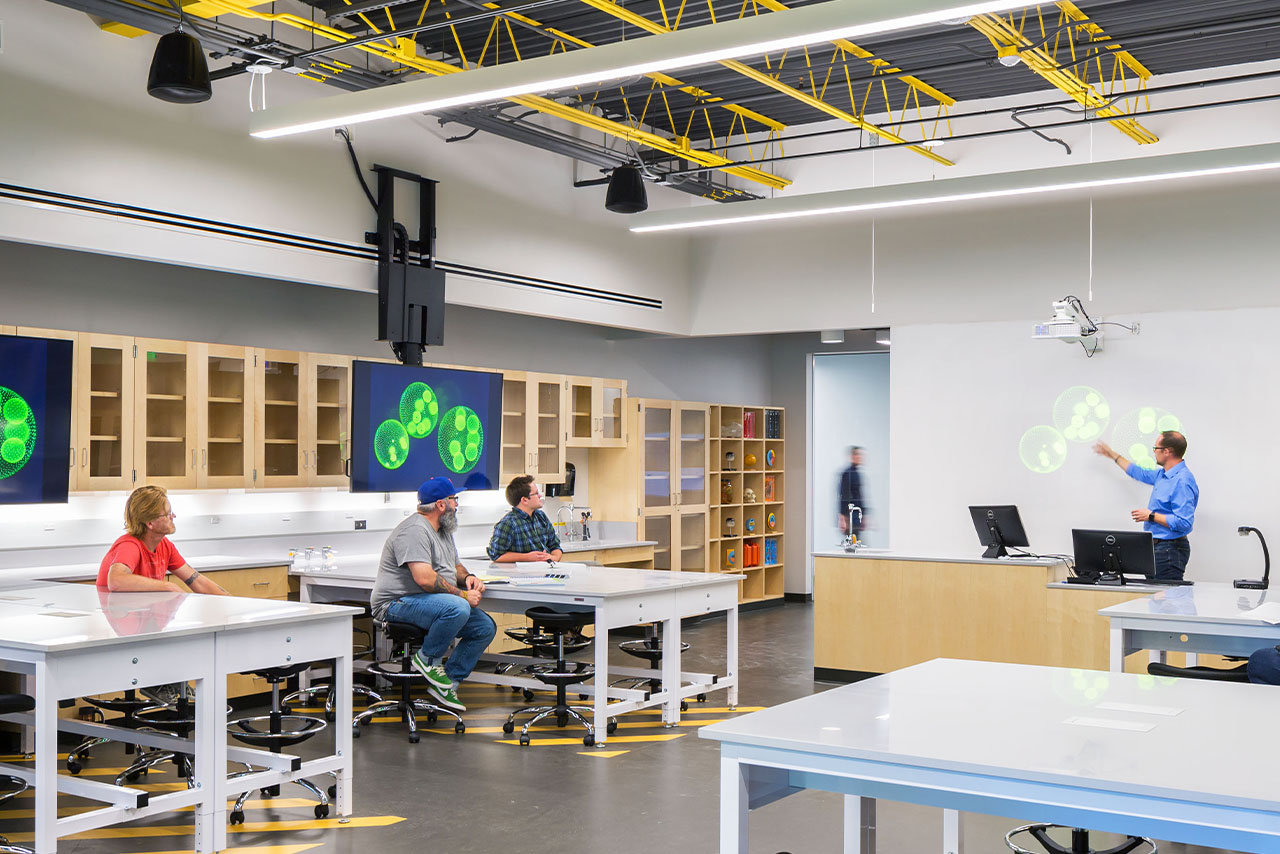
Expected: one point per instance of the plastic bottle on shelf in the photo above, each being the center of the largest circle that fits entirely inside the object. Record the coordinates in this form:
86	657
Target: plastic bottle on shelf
309	558
330	562
295	558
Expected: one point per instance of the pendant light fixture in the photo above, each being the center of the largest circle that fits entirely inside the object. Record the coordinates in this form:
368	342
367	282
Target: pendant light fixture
626	193
179	73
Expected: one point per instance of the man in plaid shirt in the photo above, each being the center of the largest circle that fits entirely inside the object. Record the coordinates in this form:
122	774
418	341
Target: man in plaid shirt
525	533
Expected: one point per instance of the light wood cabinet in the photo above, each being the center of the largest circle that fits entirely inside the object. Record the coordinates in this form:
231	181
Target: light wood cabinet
327	424
81	403
595	417
224	433
673	447
165	413
533	426
8	330
279	377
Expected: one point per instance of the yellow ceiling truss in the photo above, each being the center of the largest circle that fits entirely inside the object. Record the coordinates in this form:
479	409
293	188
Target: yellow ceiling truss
843	50
404	52
1063	46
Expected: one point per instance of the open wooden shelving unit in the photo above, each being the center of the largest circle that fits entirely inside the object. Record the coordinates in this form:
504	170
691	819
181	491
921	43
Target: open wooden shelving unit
742	524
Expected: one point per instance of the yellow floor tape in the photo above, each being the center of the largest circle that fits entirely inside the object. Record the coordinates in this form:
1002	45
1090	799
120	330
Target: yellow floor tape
602	754
613	739
262	849
141	831
274	803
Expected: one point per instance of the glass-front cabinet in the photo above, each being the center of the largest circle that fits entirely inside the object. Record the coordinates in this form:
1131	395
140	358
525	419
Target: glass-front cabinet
534	426
595	417
165	395
279	378
226	439
673	472
328	424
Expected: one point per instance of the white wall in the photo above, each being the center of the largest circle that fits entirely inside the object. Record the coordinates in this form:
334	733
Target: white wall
962	396
850	407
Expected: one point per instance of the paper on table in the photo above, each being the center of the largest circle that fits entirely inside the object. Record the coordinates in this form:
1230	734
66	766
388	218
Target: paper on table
1268	612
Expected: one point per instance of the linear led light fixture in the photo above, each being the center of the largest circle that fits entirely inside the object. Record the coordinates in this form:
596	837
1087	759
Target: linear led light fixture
819	22
1085	176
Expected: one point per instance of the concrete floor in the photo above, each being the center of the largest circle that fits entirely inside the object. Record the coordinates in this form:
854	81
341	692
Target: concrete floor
464	794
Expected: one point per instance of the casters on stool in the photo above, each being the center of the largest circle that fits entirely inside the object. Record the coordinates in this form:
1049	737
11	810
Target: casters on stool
400	670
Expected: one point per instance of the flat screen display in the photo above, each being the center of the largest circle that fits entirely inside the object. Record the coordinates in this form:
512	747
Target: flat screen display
35	420
409	424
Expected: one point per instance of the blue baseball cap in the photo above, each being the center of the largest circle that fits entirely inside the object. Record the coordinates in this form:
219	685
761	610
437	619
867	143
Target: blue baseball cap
436	489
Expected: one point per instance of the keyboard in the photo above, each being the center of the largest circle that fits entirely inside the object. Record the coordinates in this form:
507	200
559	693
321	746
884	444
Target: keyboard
1167	582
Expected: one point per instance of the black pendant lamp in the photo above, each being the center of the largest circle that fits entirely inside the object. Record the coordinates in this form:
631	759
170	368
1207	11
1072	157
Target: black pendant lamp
626	191
179	73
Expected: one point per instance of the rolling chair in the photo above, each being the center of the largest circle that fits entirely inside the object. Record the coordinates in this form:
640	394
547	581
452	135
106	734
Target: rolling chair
650	649
128	706
281	730
560	674
11	787
400	671
1213	674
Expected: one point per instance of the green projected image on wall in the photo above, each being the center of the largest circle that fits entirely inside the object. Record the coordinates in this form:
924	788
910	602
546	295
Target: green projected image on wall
1081	414
1042	449
418	410
391	444
1138	430
17	432
461	439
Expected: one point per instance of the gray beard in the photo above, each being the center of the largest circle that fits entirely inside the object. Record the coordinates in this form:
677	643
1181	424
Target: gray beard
449	522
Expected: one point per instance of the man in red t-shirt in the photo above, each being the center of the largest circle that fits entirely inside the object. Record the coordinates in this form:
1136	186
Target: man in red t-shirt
140	559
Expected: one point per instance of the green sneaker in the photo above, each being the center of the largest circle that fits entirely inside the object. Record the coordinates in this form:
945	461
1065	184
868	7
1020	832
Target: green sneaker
433	673
446	696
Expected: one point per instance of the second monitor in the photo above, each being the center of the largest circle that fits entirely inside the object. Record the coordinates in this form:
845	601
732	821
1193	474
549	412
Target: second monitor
1108	556
998	526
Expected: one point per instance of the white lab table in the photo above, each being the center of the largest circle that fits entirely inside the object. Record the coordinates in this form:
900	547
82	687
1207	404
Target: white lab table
1205	617
74	640
1107	751
618	596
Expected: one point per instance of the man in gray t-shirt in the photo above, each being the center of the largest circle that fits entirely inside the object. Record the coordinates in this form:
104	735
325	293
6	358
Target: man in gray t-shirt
414	586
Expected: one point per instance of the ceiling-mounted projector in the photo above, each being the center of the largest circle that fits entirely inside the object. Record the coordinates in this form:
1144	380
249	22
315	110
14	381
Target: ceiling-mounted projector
1069	324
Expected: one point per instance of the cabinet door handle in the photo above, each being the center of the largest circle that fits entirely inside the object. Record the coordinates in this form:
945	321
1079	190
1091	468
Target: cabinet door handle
71	459
204	458
261	583
84	458
193	458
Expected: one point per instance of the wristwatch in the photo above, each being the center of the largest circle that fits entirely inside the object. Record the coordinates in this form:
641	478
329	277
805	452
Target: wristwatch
1151	517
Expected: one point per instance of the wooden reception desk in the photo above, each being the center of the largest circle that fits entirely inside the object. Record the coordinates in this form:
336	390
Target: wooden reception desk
879	612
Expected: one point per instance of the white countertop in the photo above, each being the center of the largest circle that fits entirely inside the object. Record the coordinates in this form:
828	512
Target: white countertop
83	571
570	546
590	581
885	554
1081	728
53	617
1206	602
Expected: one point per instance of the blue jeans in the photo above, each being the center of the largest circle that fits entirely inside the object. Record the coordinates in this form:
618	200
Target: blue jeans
444	617
1264	666
1172	557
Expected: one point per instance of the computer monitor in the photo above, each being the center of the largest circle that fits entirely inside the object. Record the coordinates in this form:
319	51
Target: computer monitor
998	526
1109	556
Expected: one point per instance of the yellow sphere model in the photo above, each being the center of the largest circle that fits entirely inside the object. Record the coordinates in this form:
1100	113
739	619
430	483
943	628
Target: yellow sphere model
750	459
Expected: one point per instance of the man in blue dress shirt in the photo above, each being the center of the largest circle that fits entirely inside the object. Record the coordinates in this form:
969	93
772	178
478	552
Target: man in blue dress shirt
1170	513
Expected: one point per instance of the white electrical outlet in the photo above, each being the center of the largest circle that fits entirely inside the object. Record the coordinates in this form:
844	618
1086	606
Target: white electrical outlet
215	520
286	518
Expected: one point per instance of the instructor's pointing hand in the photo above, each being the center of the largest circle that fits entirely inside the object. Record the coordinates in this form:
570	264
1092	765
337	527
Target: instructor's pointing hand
1104	450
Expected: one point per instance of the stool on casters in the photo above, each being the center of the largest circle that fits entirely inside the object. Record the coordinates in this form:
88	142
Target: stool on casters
400	670
128	706
650	649
1079	842
358	651
11	787
561	674
283	730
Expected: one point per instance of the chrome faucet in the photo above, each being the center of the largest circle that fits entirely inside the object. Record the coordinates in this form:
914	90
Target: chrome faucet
850	541
568	532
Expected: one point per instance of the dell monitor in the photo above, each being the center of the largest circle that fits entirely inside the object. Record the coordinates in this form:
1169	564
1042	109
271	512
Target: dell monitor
1108	556
998	526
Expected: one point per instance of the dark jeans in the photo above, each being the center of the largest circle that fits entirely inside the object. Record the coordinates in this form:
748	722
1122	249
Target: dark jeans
1264	666
1172	557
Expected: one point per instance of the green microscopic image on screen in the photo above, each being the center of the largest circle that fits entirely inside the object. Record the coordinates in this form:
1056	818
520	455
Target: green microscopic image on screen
391	444
1043	449
1081	414
461	439
419	408
1136	431
17	432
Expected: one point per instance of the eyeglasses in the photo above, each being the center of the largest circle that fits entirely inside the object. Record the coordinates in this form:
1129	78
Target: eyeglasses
169	515
1158	448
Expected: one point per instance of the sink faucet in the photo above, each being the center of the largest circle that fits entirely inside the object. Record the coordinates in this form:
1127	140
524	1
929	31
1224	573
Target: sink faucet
568	532
586	516
850	540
